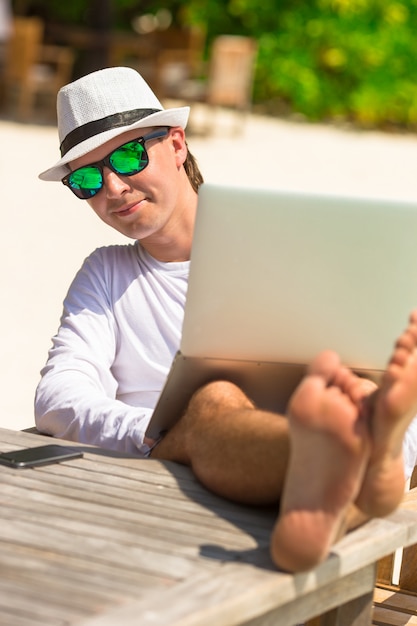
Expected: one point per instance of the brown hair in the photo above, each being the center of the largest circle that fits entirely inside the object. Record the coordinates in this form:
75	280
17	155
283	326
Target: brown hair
193	172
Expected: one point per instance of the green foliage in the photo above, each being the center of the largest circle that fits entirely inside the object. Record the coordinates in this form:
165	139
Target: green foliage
352	59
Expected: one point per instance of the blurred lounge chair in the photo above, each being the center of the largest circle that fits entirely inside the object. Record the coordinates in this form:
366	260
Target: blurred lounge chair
179	57
230	76
33	68
163	57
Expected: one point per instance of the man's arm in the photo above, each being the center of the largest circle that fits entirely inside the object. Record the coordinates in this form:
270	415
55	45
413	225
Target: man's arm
101	380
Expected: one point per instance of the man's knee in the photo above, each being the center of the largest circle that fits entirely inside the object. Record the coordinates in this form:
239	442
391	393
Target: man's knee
205	411
219	395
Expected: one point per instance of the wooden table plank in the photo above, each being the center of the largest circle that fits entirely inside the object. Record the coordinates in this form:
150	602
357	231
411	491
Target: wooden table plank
254	600
180	528
108	537
396	600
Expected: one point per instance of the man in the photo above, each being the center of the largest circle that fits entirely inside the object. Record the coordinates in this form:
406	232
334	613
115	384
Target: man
334	461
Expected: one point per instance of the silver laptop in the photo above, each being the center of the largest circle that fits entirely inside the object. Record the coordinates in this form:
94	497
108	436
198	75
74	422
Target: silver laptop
277	277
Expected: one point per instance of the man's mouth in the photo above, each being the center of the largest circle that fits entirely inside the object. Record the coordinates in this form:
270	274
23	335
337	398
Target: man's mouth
128	210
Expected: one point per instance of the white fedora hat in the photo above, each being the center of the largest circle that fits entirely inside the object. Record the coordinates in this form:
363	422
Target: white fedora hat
103	105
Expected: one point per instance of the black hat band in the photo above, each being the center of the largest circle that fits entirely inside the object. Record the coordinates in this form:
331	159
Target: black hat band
96	127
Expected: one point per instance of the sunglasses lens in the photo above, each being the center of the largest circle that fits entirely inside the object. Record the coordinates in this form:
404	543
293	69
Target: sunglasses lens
86	181
129	159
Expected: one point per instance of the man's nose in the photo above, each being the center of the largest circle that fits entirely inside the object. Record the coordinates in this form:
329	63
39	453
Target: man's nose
114	184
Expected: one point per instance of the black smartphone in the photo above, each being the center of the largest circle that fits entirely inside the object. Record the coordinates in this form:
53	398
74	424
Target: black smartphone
40	455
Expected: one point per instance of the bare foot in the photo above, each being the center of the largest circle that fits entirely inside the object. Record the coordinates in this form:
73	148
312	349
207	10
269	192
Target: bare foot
330	446
393	407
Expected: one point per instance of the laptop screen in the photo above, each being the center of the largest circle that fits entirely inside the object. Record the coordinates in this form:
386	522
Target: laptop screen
280	276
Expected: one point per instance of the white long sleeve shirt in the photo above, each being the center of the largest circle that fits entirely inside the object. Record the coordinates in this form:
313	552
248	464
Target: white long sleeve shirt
119	332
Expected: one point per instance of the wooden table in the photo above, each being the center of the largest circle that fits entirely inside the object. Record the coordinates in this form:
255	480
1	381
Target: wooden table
106	541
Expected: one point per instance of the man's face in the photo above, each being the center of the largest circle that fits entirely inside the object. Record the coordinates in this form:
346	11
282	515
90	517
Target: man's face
146	203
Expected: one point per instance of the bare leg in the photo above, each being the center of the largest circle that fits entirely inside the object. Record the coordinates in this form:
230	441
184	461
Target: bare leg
235	450
346	453
393	407
330	447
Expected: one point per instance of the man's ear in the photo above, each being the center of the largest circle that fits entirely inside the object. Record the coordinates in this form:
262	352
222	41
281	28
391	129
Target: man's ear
179	144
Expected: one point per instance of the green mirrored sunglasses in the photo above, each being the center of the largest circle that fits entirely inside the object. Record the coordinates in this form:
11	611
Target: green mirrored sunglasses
126	160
